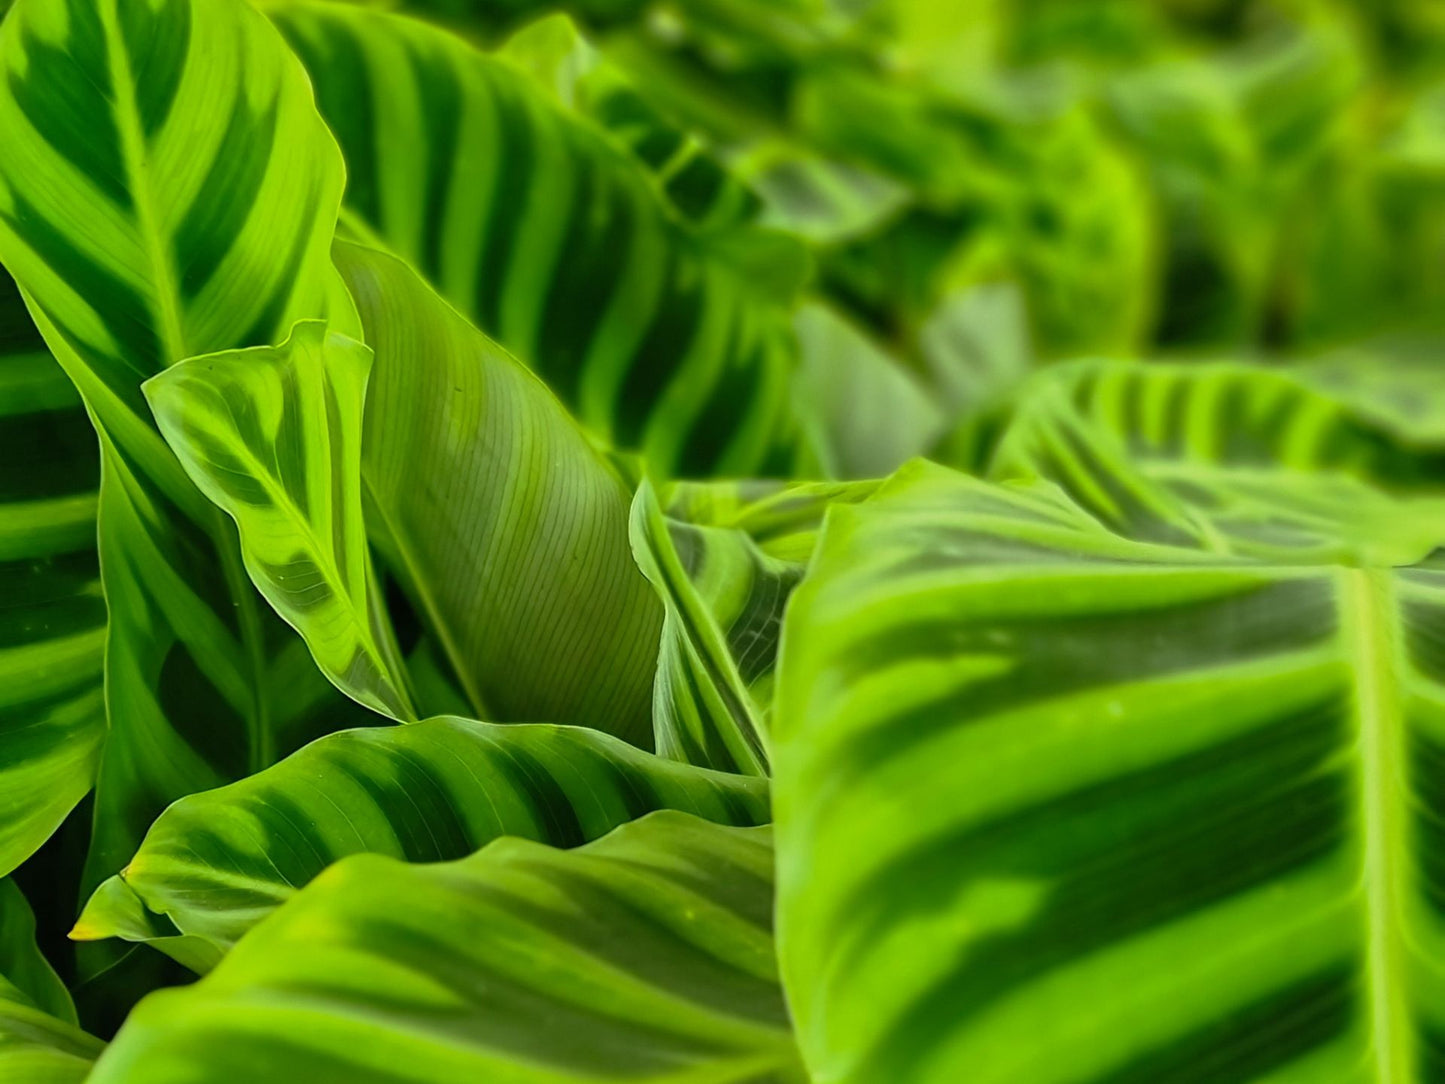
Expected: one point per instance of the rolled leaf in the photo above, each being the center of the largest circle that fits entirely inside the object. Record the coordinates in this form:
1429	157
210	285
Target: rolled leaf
659	968
215	864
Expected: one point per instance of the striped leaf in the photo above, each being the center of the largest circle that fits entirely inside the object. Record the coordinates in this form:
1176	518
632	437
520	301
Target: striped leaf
724	558
273	436
52	614
39	1040
1234	458
168	189
658	968
553	240
507	528
1170	814
215	864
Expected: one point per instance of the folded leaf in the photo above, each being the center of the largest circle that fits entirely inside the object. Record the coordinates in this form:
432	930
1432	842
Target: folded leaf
273	436
724	558
1164	813
215	864
52	615
168	189
503	522
555	241
646	956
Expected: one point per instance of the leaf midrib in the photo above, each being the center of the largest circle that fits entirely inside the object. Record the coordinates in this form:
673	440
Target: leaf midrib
1369	616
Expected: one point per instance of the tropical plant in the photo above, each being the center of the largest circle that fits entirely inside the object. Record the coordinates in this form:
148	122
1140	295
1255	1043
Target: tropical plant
721	541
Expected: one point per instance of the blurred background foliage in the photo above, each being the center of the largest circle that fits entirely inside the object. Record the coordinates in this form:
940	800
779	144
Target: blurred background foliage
954	194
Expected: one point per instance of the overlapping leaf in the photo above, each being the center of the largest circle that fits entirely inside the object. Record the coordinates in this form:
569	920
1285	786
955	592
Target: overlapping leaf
39	1040
1168	811
273	436
215	864
168	189
553	240
507	528
646	956
724	558
52	614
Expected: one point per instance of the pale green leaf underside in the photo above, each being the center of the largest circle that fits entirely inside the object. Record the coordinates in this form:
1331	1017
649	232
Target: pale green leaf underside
505	524
214	864
1170	815
658	969
273	436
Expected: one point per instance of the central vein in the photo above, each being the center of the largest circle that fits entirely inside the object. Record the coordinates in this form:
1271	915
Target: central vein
1371	626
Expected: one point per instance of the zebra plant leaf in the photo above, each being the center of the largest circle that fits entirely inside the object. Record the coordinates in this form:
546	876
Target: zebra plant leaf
1169	812
214	864
168	189
39	1040
724	558
1232	457
273	436
52	614
506	526
555	241
659	967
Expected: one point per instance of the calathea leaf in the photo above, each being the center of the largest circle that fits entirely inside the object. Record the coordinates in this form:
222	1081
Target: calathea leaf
214	864
659	968
39	1040
52	614
1232	458
168	189
1169	813
724	558
555	241
273	436
508	529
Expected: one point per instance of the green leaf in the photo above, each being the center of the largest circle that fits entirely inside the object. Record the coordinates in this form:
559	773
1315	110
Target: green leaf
21	963
52	615
646	956
273	436
1237	458
215	864
39	1040
508	529
724	558
1168	812
554	240
168	189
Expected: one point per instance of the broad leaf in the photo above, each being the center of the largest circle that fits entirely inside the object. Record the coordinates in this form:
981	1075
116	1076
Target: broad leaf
507	528
273	436
1056	805
39	1040
646	956
555	241
724	558
215	864
168	189
52	615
